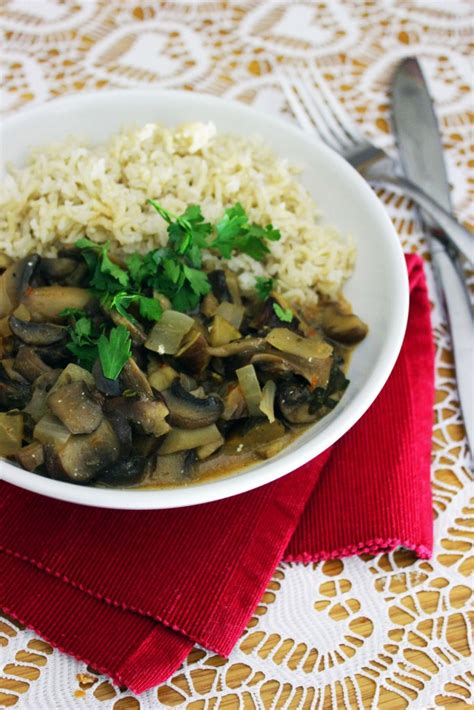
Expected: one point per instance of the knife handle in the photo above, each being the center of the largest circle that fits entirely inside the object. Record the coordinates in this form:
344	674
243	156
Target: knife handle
462	333
456	232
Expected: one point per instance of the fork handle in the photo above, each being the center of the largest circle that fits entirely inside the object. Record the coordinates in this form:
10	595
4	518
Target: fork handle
448	224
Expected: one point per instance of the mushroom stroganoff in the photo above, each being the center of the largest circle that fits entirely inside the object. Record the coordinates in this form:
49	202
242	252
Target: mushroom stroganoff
156	369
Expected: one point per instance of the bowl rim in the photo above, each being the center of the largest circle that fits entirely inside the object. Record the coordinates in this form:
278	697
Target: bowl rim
254	477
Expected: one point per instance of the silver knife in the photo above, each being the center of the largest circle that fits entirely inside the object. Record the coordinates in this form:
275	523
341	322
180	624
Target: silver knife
421	155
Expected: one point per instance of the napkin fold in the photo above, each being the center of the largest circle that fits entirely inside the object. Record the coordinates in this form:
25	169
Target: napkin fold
131	592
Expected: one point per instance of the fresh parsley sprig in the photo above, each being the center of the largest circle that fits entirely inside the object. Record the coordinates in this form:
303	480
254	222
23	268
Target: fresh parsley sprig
284	314
175	271
263	287
114	351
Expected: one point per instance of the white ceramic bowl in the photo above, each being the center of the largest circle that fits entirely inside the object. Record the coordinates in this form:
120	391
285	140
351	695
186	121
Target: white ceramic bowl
378	290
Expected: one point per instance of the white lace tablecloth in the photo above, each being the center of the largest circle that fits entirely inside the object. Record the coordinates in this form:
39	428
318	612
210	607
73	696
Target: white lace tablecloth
388	631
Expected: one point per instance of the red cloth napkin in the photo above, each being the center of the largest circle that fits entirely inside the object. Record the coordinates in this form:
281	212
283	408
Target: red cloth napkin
131	592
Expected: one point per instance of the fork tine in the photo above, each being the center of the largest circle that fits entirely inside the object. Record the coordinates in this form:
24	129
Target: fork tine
295	103
350	128
311	109
325	115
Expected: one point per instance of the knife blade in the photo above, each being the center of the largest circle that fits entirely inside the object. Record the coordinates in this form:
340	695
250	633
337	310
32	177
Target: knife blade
421	155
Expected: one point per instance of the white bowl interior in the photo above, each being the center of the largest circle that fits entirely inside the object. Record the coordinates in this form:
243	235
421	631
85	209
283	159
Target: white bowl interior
378	289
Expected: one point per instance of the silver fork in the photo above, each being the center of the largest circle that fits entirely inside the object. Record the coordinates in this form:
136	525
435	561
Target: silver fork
319	112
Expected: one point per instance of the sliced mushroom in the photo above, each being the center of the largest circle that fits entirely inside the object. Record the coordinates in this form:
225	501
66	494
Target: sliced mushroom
14	281
171	469
13	395
31	457
346	328
47	302
233	287
220	289
134	379
83	456
104	384
235	406
29	364
267	318
242	347
315	370
57	355
294	401
75	407
136	331
123	430
149	415
189	412
78	276
193	355
58	268
123	472
37	333
74	373
8	372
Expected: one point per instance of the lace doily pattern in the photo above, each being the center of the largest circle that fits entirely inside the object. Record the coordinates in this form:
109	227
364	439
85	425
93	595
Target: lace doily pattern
387	631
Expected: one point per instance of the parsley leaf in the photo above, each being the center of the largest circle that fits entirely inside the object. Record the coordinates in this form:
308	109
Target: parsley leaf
71	313
149	308
114	351
197	280
228	229
234	233
141	268
284	314
264	287
105	274
82	342
186	232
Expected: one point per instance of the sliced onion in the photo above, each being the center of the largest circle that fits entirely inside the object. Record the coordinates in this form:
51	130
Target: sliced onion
204	451
50	430
290	342
166	336
222	332
5	330
267	404
6	301
162	377
185	439
11	433
250	387
232	313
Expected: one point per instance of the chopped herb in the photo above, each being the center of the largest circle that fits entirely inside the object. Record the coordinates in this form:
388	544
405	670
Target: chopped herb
264	287
114	351
105	274
82	343
234	233
149	308
284	314
71	313
175	271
